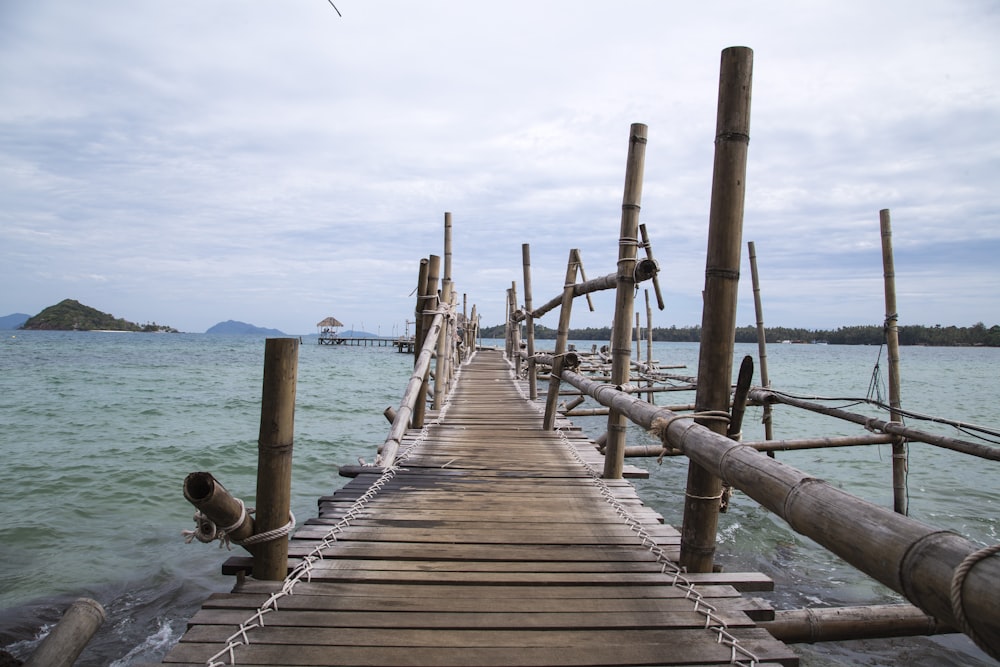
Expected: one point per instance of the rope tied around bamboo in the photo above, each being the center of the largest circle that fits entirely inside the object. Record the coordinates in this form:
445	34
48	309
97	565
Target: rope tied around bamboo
207	531
957	604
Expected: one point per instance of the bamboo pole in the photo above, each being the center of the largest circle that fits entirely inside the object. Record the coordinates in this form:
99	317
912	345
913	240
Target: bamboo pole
219	506
972	448
529	328
899	462
829	624
441	364
649	255
414	392
562	338
274	456
64	644
515	329
418	317
722	272
649	342
621	335
804	443
761	339
428	308
918	561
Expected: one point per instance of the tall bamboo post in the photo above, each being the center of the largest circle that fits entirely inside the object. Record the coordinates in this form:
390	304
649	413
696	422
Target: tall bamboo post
447	247
529	323
428	304
649	344
562	338
441	367
899	462
761	340
722	273
621	336
274	452
515	327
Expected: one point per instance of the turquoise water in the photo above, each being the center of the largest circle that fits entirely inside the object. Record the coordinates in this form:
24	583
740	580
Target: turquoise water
98	431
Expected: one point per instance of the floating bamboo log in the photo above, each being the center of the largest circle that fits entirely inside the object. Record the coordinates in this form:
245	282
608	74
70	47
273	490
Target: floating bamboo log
829	624
621	334
64	644
274	456
800	443
892	342
722	272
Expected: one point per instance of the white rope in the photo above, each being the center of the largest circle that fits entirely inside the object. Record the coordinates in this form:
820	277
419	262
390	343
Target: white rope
304	569
676	574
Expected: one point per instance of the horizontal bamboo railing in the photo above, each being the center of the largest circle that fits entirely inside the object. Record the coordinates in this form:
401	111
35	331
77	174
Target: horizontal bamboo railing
918	561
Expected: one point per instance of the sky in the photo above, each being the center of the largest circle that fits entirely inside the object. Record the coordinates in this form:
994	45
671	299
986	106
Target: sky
191	162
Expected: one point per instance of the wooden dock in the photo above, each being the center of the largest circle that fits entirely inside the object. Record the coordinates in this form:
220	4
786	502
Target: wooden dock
492	543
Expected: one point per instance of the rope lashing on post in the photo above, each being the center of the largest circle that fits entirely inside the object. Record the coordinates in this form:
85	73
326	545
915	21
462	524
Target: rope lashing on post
660	425
304	569
739	654
957	606
207	532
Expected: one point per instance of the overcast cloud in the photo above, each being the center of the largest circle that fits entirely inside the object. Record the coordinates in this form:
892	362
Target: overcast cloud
271	162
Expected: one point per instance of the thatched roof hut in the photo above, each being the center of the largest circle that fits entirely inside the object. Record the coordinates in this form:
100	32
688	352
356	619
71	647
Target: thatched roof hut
330	323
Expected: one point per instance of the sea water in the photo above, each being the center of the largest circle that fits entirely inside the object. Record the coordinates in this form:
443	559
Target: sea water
98	431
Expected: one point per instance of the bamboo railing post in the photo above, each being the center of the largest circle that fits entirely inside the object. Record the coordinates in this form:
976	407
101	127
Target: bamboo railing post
649	346
529	323
621	332
562	338
274	451
441	368
649	256
899	462
515	328
427	307
418	319
765	380
722	271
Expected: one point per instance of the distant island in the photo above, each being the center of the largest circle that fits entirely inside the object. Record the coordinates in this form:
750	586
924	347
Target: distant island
71	315
978	335
13	321
232	327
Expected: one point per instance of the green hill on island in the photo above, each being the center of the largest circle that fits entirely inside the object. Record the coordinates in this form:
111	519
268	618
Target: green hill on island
71	315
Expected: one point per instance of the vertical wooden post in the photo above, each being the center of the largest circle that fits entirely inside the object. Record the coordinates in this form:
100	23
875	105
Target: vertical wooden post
649	346
621	336
562	338
529	321
761	340
441	369
722	273
515	328
274	452
899	463
428	304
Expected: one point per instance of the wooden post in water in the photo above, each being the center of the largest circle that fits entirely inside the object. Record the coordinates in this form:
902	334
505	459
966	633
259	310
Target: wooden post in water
892	341
722	273
562	338
649	344
621	334
761	340
274	455
529	322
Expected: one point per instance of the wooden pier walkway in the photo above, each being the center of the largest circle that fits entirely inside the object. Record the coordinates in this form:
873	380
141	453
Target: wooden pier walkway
491	544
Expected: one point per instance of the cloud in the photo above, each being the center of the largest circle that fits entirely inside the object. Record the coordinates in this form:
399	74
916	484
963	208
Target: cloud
276	163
